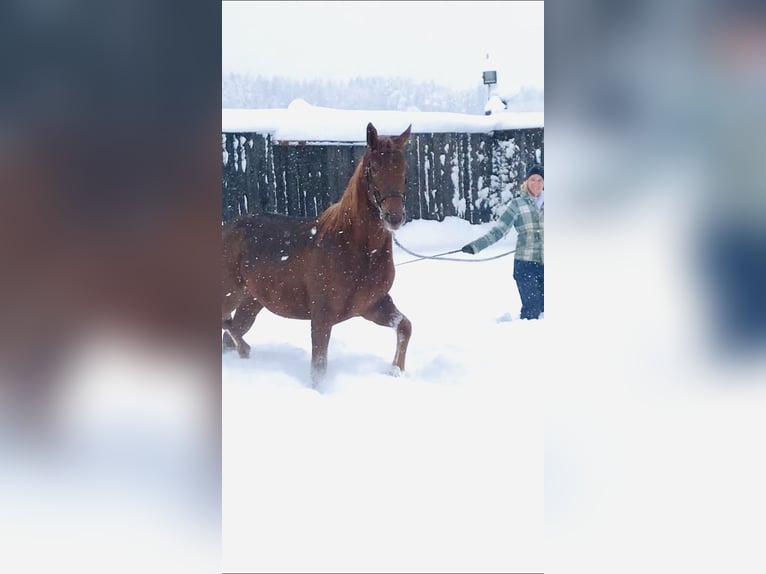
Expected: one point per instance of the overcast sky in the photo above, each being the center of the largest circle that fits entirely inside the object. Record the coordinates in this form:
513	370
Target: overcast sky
444	42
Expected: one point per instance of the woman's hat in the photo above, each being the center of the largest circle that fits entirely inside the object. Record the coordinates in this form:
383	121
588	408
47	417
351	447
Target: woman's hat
535	169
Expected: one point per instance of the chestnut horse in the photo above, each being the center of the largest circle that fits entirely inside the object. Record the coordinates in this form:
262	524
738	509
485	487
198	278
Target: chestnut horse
325	269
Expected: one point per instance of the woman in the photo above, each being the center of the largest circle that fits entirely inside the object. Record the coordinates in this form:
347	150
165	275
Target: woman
525	214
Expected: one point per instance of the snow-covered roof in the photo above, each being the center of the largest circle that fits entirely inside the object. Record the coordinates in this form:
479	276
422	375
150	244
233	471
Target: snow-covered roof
301	121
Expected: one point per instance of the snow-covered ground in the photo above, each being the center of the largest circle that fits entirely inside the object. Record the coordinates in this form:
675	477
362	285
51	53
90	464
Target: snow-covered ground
648	435
438	470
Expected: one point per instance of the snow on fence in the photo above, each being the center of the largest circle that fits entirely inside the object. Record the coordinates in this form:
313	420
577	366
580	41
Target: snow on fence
464	166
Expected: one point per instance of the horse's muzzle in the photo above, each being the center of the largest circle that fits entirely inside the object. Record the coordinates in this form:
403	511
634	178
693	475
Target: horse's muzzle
393	221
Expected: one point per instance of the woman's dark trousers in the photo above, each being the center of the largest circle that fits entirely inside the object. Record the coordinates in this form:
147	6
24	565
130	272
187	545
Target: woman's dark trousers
529	280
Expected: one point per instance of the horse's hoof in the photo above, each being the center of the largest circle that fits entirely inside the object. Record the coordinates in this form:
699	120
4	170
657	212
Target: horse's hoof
395	371
316	381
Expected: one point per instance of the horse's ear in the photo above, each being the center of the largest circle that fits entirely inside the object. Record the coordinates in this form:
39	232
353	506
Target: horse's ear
372	136
401	140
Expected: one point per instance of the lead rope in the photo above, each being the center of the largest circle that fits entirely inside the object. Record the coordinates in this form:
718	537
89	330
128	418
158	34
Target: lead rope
440	256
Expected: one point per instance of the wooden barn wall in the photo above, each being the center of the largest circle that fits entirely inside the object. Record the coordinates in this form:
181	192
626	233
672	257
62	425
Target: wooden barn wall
450	174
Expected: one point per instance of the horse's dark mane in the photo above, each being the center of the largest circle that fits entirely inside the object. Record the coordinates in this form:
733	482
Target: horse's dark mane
340	215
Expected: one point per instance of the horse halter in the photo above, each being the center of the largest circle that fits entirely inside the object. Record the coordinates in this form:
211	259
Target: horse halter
374	188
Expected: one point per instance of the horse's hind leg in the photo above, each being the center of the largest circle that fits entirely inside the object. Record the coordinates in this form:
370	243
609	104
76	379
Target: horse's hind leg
227	343
385	313
231	300
320	340
236	327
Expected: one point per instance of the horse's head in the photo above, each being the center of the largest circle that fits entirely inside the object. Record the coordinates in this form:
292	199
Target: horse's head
385	174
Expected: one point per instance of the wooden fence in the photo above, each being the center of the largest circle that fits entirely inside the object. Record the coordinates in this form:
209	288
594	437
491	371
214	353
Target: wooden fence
471	176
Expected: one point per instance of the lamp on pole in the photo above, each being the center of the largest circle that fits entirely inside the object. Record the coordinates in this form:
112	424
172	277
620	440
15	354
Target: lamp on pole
489	75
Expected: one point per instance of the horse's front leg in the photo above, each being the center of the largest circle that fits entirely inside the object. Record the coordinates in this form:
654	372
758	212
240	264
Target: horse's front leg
320	340
235	328
385	313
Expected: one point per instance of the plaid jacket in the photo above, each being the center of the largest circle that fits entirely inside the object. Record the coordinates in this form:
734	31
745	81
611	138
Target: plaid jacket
523	215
